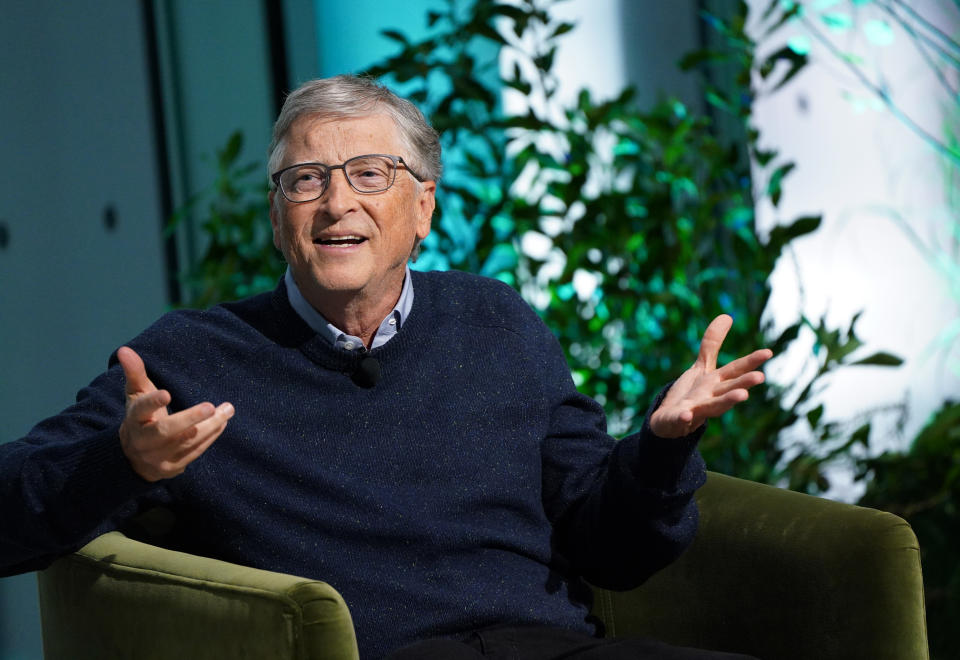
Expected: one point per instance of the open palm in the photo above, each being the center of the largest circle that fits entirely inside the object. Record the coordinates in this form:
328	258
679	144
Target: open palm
705	391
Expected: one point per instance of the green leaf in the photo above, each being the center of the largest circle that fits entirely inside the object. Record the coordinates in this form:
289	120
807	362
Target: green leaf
837	21
229	153
861	436
562	29
781	235
796	61
813	417
774	187
764	156
518	84
489	32
516	13
396	36
695	58
718	100
545	62
880	359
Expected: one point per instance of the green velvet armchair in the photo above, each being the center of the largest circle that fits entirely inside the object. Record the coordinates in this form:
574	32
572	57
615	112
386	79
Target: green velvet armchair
772	573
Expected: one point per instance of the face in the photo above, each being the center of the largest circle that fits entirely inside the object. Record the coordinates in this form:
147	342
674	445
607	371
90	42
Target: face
348	243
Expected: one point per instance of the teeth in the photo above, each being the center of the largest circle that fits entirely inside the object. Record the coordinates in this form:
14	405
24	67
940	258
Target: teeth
342	239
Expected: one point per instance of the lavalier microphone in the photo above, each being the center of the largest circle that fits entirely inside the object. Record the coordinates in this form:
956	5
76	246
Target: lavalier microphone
367	373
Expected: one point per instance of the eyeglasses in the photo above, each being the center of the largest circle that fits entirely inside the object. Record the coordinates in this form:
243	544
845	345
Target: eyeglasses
371	173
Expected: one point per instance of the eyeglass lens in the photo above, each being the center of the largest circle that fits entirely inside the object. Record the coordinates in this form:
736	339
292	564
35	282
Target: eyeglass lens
365	173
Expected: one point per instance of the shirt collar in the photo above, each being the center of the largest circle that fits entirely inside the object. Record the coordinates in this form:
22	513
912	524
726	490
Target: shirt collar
388	327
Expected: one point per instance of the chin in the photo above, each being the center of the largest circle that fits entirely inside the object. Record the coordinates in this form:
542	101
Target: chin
338	284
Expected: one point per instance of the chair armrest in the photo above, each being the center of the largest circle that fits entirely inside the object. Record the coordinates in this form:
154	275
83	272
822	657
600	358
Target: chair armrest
119	598
782	576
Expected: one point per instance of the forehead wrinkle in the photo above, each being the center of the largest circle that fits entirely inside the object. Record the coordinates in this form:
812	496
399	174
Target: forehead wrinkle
332	140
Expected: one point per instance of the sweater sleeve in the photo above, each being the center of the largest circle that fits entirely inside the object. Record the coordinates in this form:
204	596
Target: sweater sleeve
621	510
67	481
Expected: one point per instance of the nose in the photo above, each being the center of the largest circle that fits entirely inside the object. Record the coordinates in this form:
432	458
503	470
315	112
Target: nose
339	198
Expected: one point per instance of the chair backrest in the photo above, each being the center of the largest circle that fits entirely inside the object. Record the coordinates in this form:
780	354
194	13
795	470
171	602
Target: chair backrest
784	576
118	598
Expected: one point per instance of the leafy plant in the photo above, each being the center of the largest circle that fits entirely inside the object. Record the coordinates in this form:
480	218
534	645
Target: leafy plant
238	257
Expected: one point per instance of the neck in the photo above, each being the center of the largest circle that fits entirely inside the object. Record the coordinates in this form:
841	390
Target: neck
357	313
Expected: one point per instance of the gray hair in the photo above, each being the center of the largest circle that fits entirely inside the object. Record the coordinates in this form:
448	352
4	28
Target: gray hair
354	96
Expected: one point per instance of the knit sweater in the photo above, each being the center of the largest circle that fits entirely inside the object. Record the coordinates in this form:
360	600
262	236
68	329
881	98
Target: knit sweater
471	486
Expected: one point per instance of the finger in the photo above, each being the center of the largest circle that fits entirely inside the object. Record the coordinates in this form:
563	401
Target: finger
143	408
712	340
744	382
183	424
206	433
717	406
213	424
746	363
167	456
134	371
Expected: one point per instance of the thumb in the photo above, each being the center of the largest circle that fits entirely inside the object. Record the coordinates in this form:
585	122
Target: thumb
134	371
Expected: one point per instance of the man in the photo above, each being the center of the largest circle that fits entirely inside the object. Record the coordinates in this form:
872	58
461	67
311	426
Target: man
414	439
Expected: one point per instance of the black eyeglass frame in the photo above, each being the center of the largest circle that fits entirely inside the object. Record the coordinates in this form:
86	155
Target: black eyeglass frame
397	160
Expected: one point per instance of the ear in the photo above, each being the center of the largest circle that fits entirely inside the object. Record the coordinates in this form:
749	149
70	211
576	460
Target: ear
274	219
426	204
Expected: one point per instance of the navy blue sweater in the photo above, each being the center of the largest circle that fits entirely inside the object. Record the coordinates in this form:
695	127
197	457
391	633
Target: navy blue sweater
471	486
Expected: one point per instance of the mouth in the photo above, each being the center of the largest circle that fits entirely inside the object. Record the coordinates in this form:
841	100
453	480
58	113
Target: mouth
339	241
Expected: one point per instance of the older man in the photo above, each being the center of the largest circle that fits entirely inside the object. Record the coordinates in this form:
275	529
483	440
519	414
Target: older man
414	439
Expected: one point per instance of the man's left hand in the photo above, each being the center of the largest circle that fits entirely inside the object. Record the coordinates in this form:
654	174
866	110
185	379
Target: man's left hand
704	391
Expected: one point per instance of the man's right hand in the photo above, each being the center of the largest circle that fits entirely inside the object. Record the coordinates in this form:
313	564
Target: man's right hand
160	445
